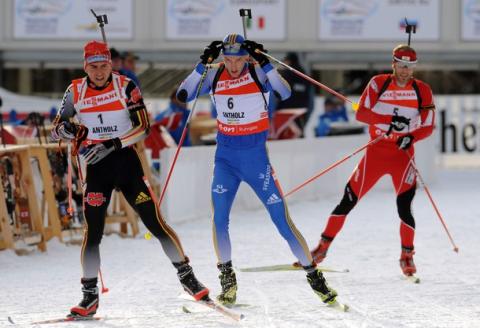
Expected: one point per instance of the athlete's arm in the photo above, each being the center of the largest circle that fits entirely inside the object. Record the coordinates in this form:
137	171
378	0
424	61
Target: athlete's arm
269	76
67	110
427	113
138	115
62	126
188	89
367	101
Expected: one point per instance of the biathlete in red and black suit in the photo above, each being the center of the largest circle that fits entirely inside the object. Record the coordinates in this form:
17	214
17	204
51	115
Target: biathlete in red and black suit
400	108
110	111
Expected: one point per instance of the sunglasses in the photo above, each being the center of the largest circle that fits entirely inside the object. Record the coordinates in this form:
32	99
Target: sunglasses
405	65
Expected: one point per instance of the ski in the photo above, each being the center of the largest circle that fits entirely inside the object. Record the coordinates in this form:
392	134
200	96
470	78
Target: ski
211	304
412	278
67	319
339	306
288	267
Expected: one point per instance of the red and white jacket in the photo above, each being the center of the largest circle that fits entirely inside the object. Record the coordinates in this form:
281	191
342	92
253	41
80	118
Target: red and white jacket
395	100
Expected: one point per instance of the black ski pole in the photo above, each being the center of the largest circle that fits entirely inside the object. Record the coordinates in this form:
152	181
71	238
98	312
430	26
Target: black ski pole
246	14
101	20
1	123
409	29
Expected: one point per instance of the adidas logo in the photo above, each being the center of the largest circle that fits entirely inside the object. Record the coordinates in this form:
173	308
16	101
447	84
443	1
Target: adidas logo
219	189
142	198
273	199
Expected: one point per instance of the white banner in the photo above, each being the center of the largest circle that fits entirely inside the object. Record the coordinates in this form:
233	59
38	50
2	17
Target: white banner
72	19
213	19
377	19
471	20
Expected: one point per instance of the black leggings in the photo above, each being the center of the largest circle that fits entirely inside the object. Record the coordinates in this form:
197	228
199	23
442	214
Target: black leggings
121	169
404	204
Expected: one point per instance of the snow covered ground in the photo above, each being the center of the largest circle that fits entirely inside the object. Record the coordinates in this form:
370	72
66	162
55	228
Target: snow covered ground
144	289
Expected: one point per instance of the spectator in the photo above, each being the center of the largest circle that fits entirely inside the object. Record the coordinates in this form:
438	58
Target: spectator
13	117
128	66
302	92
52	113
116	60
335	111
174	118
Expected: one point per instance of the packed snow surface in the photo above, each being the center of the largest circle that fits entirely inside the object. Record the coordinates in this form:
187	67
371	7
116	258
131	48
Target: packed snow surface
144	288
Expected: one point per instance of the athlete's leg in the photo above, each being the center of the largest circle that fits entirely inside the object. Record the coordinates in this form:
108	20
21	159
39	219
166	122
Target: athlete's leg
404	181
96	196
224	188
140	196
363	178
99	185
259	174
133	186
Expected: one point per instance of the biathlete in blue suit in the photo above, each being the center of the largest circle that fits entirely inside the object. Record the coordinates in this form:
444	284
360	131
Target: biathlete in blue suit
240	91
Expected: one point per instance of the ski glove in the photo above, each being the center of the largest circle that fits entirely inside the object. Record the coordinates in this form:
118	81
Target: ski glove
99	151
65	131
404	142
399	122
211	52
251	47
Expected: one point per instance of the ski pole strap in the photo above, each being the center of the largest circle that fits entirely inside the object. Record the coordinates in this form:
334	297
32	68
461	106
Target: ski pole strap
80	136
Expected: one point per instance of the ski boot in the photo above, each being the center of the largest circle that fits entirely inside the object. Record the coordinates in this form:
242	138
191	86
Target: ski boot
319	285
228	281
89	304
189	282
406	261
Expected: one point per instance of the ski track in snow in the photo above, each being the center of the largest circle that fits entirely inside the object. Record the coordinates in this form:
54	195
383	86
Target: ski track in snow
144	289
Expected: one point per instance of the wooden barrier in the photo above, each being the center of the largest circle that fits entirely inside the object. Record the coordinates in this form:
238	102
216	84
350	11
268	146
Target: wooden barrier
49	226
31	218
6	234
53	228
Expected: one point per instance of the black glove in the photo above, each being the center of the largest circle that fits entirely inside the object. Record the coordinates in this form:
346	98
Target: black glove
404	142
65	131
99	151
251	46
211	52
399	122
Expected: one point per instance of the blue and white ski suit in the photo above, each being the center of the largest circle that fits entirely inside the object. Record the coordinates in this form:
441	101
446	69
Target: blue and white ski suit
241	155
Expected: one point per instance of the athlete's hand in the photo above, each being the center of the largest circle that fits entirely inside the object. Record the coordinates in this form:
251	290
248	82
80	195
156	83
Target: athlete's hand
98	152
404	142
211	52
399	122
65	131
251	47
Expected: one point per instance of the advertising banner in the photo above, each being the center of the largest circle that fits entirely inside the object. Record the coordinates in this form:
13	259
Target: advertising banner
71	19
470	20
377	20
213	19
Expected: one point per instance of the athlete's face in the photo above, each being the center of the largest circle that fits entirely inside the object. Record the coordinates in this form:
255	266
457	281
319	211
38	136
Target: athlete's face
99	72
235	64
403	72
